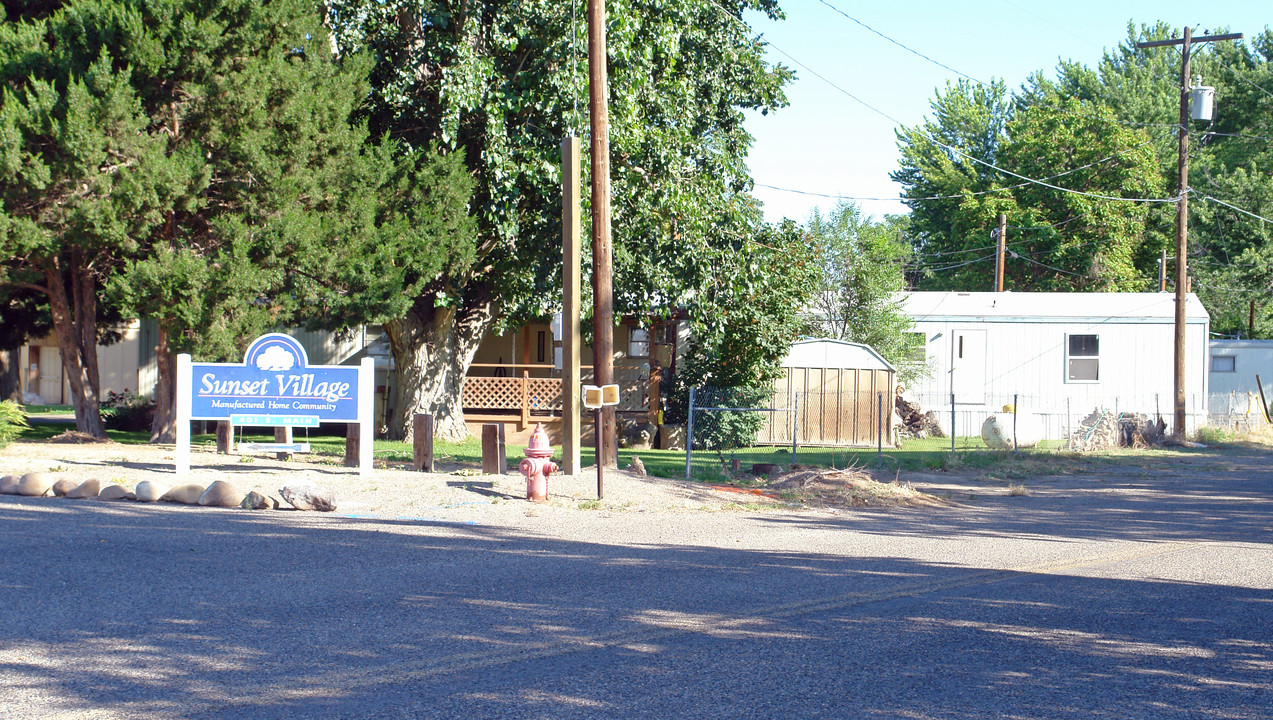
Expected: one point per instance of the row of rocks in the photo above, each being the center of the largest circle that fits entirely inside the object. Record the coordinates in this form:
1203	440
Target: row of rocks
220	493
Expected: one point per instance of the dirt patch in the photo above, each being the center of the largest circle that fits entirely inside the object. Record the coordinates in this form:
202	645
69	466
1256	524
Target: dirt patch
77	438
847	488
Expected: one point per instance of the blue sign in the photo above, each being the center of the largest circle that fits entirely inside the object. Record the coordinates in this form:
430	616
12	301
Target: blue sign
275	379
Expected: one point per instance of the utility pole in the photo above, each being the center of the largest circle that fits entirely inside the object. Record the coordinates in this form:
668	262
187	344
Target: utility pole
1000	251
602	290
1182	215
1162	271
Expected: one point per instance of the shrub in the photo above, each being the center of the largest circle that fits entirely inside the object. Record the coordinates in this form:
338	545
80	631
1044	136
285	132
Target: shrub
13	420
127	411
725	430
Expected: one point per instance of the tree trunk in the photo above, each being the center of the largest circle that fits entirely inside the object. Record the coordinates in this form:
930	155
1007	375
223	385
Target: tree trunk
163	429
88	416
9	385
432	349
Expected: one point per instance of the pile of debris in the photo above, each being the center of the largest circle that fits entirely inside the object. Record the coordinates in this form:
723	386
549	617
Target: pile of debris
1105	429
911	420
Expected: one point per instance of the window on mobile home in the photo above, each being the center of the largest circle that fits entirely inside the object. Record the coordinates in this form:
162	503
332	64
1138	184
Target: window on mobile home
1224	363
1083	361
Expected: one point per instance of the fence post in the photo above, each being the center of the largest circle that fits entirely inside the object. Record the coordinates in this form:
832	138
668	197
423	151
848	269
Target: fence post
879	429
1014	422
1069	429
952	422
494	460
422	442
795	427
689	436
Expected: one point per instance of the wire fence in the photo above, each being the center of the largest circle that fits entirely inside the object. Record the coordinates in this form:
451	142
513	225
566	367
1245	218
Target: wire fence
1052	418
723	418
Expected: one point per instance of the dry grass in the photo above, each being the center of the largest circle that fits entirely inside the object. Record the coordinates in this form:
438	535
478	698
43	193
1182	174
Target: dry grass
851	487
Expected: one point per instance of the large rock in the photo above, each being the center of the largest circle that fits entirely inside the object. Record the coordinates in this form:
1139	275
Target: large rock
997	430
150	491
116	492
309	497
183	494
9	485
257	501
64	486
35	484
221	494
86	489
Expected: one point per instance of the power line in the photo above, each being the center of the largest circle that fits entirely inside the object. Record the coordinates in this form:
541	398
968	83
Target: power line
1233	207
962	195
900	45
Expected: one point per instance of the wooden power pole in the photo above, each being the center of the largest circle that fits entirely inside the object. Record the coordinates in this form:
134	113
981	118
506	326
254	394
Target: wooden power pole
1000	250
1182	216
602	290
570	306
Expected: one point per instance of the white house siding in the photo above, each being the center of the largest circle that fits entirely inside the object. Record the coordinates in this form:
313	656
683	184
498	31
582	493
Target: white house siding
1233	367
1023	338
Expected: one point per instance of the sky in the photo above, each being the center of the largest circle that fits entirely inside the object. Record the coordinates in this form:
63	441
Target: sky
826	143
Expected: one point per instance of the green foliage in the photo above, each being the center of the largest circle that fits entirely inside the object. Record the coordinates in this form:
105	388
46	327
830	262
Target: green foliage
862	273
745	323
127	411
500	84
1123	108
13	421
1090	239
724	430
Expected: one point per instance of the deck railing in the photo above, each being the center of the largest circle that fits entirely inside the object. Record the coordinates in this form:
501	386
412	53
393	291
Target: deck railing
525	399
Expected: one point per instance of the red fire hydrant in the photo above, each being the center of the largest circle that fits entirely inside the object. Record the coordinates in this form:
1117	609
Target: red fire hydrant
537	465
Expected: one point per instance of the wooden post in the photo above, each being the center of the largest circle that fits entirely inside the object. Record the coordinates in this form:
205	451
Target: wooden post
602	290
525	421
1250	321
1182	242
572	273
283	435
422	442
494	461
225	437
1001	251
1182	216
652	415
353	444
1162	271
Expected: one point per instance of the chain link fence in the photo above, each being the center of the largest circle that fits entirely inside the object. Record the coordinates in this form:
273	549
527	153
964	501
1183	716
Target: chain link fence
727	418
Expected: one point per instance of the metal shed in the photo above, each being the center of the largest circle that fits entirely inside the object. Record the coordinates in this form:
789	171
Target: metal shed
834	393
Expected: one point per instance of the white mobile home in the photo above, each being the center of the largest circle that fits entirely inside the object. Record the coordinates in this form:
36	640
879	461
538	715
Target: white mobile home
1234	368
1060	356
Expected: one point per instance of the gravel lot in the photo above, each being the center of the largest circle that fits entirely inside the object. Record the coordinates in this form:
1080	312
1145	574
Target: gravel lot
1144	591
387	492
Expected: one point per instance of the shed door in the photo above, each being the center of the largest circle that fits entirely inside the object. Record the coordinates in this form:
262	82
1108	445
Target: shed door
50	375
968	367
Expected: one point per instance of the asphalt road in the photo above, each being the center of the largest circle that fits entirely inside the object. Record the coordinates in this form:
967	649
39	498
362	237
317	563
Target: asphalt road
1139	593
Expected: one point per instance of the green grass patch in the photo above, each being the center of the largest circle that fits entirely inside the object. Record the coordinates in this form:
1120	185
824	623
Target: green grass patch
38	410
927	455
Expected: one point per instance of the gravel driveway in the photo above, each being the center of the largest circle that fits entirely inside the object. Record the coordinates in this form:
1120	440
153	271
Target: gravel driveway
1143	592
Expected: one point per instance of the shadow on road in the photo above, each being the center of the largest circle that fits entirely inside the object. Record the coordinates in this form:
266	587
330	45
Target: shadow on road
145	611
